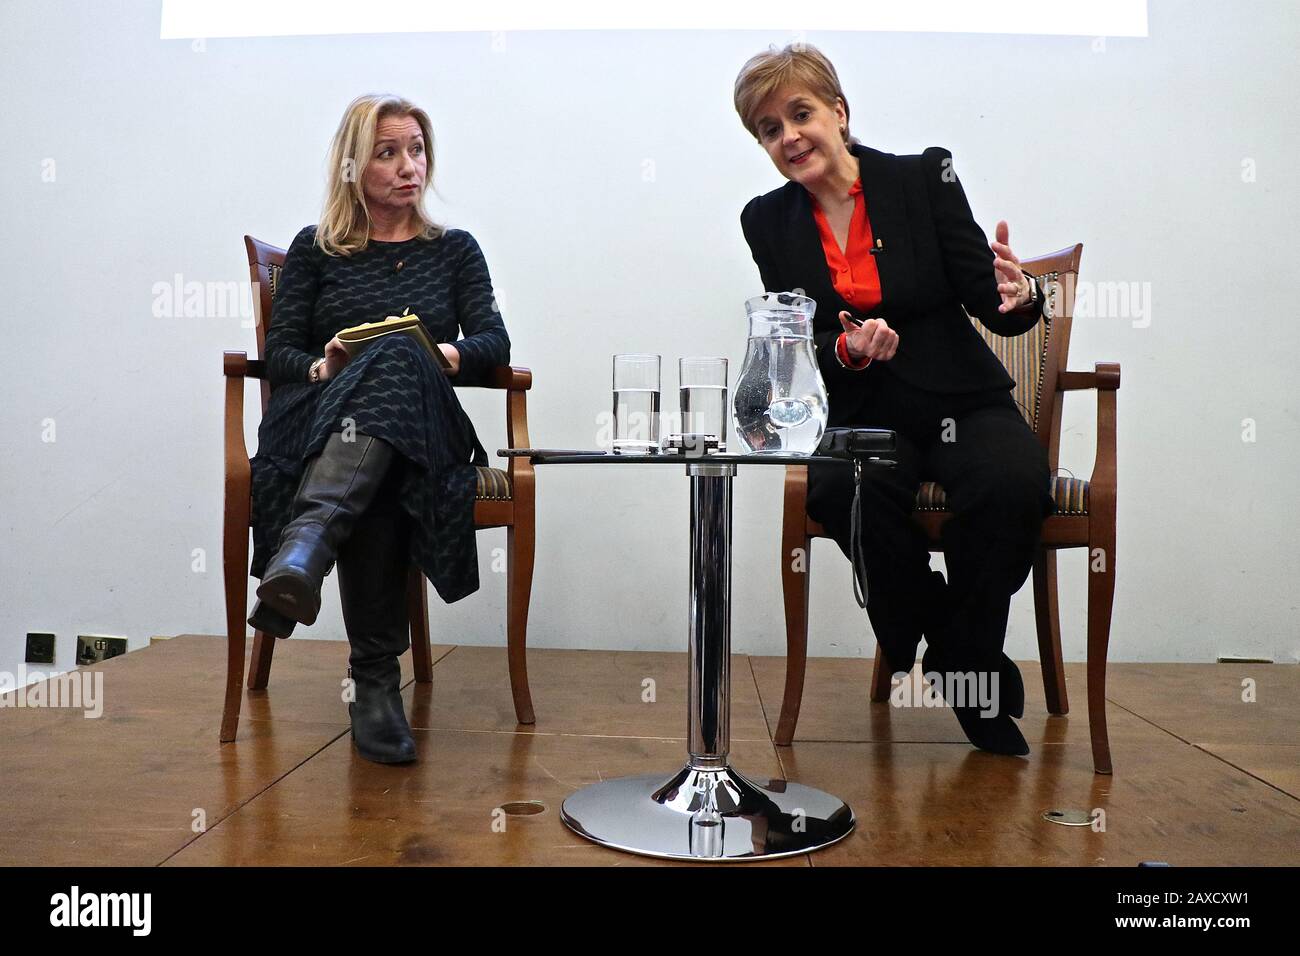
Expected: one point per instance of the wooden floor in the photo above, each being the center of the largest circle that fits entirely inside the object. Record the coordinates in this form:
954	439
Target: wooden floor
1201	777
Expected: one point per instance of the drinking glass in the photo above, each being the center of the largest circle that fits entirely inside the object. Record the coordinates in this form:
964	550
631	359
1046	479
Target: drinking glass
703	393
636	404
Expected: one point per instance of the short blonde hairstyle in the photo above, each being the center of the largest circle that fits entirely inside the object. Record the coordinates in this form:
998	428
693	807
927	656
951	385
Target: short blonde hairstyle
800	65
345	221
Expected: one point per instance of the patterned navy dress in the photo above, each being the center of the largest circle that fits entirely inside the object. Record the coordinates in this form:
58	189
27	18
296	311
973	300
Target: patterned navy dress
392	391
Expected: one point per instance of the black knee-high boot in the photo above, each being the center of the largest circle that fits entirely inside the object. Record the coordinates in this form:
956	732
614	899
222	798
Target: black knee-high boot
372	568
337	486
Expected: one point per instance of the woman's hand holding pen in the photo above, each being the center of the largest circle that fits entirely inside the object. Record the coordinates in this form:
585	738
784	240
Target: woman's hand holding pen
872	339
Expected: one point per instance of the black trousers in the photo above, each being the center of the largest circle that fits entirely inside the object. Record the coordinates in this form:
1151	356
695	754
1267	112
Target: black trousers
994	471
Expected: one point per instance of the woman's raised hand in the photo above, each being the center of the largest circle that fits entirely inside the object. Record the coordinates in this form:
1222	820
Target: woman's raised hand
1012	283
873	339
336	356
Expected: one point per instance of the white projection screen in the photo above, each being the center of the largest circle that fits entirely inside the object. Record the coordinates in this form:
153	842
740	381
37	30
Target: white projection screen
187	19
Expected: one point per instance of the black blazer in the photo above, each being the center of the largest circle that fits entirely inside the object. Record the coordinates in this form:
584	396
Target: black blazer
933	260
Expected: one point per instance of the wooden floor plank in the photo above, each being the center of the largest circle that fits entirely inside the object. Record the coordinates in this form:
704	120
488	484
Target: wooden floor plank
941	804
605	693
124	787
130	790
1276	764
342	810
1213	704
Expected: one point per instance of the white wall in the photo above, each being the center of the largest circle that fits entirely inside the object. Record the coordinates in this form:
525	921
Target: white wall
164	156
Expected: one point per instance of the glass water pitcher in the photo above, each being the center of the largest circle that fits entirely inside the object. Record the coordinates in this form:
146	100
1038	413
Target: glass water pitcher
780	401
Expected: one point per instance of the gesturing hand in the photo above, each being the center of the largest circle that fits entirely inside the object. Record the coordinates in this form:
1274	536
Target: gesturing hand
873	339
1012	283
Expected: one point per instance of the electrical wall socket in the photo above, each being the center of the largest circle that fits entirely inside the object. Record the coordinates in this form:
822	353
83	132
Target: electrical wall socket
40	648
92	648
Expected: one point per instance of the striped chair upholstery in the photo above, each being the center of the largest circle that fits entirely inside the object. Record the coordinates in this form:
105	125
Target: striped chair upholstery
1024	357
1070	495
493	484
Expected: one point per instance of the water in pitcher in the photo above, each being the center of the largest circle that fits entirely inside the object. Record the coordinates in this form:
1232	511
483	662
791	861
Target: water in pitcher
636	420
780	398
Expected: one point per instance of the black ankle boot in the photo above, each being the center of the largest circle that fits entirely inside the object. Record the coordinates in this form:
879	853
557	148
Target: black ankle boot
379	728
998	734
373	565
337	486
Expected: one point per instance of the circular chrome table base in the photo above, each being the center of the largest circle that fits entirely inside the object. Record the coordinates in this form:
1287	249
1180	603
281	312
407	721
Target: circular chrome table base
707	815
707	811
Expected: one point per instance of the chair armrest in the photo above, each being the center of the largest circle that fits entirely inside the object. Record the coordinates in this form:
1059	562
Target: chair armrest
1102	486
512	377
1105	377
239	365
516	381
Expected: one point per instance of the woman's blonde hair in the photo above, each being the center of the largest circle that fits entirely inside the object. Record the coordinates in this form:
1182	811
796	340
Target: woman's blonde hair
345	221
800	65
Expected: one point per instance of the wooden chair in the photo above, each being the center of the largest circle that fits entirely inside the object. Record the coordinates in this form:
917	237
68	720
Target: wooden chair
504	498
1085	515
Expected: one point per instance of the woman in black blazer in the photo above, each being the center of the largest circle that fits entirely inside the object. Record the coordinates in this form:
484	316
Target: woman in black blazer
900	352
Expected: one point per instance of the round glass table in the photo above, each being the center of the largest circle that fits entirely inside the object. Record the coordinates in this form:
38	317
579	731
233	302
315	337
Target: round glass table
707	810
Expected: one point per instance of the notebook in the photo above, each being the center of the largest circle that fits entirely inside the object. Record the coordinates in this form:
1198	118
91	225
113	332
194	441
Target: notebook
359	337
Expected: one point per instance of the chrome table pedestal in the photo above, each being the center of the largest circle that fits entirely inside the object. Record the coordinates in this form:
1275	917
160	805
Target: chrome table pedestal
707	810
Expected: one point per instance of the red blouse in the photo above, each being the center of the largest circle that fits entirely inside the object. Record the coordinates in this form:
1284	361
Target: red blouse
853	270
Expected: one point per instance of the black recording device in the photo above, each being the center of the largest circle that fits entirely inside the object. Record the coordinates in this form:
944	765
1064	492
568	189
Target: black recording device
863	446
858	444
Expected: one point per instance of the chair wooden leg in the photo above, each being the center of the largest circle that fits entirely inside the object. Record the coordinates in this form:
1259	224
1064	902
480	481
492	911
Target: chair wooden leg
234	682
1101	599
1047	615
259	668
519	586
235	574
417	611
796	580
881	679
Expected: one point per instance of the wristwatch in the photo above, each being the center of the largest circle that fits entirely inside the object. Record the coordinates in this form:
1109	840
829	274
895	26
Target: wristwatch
1035	293
313	374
